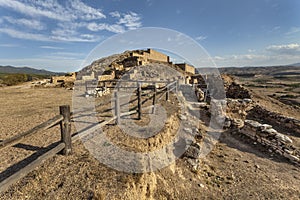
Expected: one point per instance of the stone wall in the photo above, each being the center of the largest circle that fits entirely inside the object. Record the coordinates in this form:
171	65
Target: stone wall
186	67
106	77
150	55
238	108
267	136
279	121
89	77
63	79
153	55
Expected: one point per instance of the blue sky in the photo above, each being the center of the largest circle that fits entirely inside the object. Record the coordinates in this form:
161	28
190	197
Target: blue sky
58	34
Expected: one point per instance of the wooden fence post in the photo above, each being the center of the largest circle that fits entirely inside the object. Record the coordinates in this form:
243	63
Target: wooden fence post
154	99
167	93
86	86
65	127
117	107
139	94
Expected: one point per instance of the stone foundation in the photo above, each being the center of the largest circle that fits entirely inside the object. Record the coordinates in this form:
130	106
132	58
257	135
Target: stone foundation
276	120
267	136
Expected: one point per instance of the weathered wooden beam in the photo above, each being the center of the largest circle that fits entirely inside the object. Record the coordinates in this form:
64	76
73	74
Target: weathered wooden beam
139	94
30	167
154	99
44	126
117	107
167	93
65	126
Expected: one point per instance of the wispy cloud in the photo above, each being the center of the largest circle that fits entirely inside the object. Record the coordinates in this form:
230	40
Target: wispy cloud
272	55
289	49
130	20
201	38
293	30
86	12
72	10
23	35
77	38
70	20
30	23
51	47
115	14
115	28
38	8
9	45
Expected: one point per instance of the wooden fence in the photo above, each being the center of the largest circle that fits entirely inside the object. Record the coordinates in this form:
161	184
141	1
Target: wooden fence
64	145
164	91
64	119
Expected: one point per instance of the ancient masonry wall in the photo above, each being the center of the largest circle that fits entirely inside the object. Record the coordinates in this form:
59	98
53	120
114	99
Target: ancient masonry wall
266	135
186	67
237	117
276	119
57	79
153	55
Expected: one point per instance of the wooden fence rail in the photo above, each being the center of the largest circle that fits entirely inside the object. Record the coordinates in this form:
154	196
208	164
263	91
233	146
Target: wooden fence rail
64	145
64	119
163	91
44	126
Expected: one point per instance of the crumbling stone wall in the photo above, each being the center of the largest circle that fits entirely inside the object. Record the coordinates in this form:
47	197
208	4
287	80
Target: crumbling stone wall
276	120
266	135
236	91
63	79
186	67
153	55
238	108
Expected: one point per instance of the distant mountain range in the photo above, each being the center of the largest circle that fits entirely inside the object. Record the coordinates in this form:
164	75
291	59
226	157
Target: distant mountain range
295	65
26	70
229	70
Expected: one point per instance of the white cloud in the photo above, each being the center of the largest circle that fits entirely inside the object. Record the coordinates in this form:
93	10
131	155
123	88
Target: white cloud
38	8
23	35
74	20
149	2
201	38
51	47
293	30
33	24
130	20
79	38
74	9
115	28
115	14
258	59
289	49
86	12
9	45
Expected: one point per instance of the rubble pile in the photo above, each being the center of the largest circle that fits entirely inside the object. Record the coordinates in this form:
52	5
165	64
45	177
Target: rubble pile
236	91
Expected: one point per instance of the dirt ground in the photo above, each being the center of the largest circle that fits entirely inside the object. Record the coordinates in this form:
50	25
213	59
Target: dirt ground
237	168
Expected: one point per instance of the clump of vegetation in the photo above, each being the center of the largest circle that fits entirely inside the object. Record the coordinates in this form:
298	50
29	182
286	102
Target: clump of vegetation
261	80
289	96
294	85
14	79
